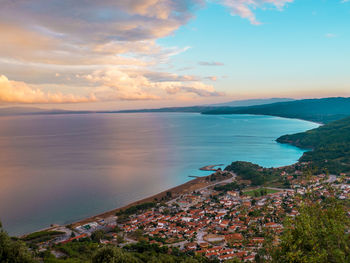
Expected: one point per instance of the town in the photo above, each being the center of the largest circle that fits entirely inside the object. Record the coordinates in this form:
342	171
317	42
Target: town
228	219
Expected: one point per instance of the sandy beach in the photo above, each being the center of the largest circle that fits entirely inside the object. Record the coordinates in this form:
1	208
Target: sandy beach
188	187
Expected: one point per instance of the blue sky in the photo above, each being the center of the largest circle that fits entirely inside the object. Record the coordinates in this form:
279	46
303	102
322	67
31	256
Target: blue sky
300	51
125	54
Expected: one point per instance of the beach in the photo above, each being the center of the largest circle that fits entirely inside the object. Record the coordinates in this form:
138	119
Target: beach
185	188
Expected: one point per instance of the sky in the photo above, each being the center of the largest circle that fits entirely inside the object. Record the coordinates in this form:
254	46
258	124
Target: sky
129	54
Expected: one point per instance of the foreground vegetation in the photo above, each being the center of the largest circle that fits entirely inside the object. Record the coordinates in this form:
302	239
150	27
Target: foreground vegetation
318	234
13	250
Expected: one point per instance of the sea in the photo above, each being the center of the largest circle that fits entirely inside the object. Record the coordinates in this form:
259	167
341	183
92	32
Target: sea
57	169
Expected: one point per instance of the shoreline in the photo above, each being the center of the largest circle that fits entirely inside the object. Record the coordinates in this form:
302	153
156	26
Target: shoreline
179	189
211	167
187	187
197	183
158	196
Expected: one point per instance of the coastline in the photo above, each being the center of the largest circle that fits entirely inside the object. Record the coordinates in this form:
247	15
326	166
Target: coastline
187	187
210	167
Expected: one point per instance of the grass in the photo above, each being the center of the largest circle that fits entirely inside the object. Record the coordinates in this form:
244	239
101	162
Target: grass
258	192
42	235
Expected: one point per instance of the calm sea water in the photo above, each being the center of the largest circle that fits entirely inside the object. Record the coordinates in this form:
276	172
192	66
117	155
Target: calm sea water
59	169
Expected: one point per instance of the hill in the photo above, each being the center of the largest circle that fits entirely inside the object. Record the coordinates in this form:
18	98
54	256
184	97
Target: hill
192	109
251	102
19	111
16	111
319	110
330	145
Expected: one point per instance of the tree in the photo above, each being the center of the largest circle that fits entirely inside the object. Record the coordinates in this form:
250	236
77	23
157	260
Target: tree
12	251
112	255
138	234
120	239
317	235
97	235
234	260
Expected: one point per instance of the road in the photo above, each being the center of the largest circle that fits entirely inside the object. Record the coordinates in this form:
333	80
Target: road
332	178
227	181
128	241
181	244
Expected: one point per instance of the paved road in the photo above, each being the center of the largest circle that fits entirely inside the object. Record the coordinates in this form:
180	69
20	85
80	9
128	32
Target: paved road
278	189
332	178
227	181
128	241
200	235
179	244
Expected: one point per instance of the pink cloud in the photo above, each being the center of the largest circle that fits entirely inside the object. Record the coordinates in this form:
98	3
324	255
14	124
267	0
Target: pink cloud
245	8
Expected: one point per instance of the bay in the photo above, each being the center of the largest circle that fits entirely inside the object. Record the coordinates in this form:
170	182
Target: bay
63	168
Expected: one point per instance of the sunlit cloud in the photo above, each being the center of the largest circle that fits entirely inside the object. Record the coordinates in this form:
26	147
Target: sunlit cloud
20	92
245	8
105	47
120	84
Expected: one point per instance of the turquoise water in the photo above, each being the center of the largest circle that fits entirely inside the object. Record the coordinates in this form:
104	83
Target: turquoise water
59	169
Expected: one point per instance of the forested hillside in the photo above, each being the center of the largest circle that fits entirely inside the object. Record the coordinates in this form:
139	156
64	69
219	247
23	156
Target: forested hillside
319	110
330	145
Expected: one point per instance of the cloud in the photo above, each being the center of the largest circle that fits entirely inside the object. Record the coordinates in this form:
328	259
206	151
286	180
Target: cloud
106	47
212	63
197	88
212	78
245	8
89	32
20	92
114	83
91	21
330	35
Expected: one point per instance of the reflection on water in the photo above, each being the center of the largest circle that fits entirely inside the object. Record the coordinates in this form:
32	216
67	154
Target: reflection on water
58	169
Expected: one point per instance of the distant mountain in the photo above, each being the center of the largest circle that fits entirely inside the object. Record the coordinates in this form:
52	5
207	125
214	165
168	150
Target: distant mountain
202	108
251	102
192	109
13	111
19	110
319	110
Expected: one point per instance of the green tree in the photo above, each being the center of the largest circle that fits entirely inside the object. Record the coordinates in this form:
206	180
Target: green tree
113	255
97	235
234	260
317	235
12	251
